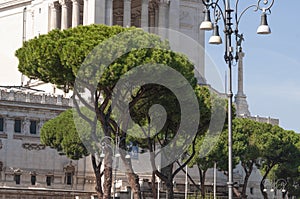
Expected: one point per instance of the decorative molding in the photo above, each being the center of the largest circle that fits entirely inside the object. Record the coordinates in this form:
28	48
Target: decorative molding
33	146
20	96
187	17
69	168
5	3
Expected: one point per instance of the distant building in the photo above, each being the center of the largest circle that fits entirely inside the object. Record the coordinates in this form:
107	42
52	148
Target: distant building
29	168
241	104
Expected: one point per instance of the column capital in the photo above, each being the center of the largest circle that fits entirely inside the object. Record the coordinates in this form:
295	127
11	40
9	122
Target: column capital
145	1
241	53
54	5
63	2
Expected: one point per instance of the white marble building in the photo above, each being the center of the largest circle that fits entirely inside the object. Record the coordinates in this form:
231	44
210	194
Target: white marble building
29	168
22	20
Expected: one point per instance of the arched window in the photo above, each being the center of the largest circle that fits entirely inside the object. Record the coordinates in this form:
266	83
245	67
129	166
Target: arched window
69	170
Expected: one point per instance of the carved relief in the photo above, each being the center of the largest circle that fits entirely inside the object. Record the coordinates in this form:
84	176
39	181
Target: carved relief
26	126
69	168
33	146
187	17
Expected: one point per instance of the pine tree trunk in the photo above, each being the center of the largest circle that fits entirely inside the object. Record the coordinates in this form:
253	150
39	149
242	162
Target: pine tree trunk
246	179
170	191
153	186
107	185
168	171
97	173
133	179
134	184
203	184
202	174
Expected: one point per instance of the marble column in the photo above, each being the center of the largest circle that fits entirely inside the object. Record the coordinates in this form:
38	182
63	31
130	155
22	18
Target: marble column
75	13
109	13
241	55
64	14
100	11
163	13
53	15
145	14
127	13
26	126
85	12
9	123
242	108
174	14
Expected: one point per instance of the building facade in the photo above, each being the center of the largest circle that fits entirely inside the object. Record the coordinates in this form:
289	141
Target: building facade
29	169
26	19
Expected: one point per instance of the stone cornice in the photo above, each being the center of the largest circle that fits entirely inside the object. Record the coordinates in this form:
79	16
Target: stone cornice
25	98
6	3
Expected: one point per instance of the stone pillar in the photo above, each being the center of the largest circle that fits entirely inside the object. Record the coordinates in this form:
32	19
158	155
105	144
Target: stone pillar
174	14
127	13
176	41
241	55
64	14
40	125
240	98
109	13
85	12
163	12
26	126
145	14
9	123
53	15
27	98
75	13
100	11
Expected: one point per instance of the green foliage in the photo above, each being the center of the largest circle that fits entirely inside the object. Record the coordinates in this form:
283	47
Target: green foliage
60	133
56	56
289	170
276	145
207	137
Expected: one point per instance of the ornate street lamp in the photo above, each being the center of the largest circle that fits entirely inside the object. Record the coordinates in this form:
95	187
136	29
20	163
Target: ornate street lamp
223	11
278	184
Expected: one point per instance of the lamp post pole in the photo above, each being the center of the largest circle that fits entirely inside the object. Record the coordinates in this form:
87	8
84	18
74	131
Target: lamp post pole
224	12
229	58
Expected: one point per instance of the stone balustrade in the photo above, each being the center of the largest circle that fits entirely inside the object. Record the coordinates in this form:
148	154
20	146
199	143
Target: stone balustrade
19	96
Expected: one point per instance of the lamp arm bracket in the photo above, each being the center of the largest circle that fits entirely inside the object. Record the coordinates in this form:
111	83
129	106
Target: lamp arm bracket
265	5
217	9
238	18
218	13
280	183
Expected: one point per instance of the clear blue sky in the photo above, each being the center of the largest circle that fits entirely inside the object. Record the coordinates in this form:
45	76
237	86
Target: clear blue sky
271	63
